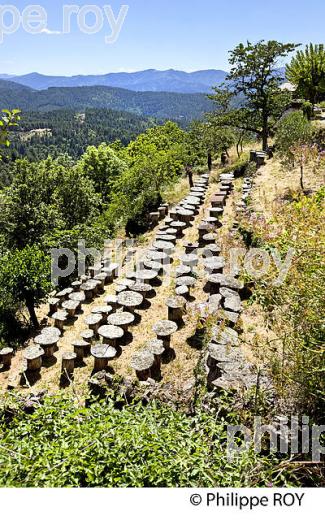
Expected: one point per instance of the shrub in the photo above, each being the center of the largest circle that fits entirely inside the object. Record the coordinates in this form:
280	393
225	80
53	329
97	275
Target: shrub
292	130
63	445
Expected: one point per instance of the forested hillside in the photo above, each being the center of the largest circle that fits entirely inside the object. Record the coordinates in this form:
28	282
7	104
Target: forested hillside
69	132
161	105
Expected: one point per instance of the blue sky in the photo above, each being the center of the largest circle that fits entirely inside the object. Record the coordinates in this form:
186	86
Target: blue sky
162	34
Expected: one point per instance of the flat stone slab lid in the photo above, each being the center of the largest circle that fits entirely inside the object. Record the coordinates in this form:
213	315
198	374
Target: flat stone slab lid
175	302
165	237
103	352
33	353
69	356
178	224
121	318
210	236
156	347
87	334
46	339
156	256
64	292
213	248
183	270
70	305
216	262
110	332
101	277
78	297
182	289
141	287
54	301
79	343
130	299
89	286
93	319
111	298
146	274
194	201
189	207
203	227
165	328
189	281
215	210
125	281
104	309
192	258
6	350
60	315
199	189
211	220
51	331
163	246
185	212
95	282
142	361
171	231
152	265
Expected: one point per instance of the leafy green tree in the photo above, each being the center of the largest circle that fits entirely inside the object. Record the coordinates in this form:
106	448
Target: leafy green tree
103	167
155	160
207	139
294	129
25	277
76	198
7	122
307	72
28	209
255	81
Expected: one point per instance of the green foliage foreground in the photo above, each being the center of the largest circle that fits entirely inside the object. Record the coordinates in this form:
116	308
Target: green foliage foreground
64	445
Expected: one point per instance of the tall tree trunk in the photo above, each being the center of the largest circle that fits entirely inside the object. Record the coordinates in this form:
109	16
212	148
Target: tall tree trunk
29	299
265	131
189	173
209	161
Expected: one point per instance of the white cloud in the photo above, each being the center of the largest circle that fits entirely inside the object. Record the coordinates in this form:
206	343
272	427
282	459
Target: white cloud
49	31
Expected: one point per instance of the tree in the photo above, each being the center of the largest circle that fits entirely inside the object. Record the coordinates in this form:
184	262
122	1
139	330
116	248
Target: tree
25	277
307	72
76	198
207	139
292	130
253	87
8	121
27	207
103	167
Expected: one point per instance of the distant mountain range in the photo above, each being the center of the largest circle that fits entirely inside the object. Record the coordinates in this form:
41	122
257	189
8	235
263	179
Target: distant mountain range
152	80
159	105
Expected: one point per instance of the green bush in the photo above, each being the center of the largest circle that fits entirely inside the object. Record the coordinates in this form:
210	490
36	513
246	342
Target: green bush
63	445
292	130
